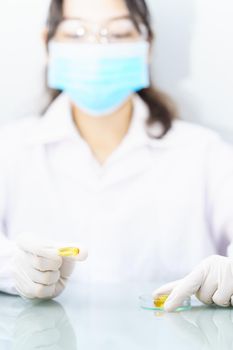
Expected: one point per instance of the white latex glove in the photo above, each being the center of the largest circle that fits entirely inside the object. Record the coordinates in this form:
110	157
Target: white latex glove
39	271
211	281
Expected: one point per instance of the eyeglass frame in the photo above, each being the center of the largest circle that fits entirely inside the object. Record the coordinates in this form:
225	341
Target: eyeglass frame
102	31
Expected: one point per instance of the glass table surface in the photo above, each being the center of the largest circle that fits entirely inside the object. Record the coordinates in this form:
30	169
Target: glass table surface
102	316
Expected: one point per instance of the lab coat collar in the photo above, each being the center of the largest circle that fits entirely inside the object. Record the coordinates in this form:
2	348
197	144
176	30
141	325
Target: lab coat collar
57	125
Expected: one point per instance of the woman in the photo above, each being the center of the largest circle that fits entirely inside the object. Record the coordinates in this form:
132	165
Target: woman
110	167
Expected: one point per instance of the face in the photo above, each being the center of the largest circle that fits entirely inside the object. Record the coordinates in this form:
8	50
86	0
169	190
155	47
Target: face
91	66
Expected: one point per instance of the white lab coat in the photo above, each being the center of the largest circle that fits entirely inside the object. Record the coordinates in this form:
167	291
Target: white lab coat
154	210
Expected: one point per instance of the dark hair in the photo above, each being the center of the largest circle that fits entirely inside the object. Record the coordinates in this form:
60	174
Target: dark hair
162	108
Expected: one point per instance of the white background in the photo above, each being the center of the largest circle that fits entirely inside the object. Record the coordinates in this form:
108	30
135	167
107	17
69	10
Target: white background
193	58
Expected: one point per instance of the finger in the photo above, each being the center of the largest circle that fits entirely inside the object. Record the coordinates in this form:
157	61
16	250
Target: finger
25	275
34	290
165	289
45	264
185	288
207	290
30	244
29	264
48	253
41	259
67	267
49	250
224	292
49	277
43	292
59	287
46	278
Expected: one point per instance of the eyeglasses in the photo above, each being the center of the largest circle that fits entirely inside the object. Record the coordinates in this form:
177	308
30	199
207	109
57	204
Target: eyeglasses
113	31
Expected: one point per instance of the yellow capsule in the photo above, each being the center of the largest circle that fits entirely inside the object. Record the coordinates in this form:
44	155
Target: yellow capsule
68	251
160	300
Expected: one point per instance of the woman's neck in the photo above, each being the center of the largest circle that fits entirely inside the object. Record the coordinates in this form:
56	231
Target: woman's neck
104	134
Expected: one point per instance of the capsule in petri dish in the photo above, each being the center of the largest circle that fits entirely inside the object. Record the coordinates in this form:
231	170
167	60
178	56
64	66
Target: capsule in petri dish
160	300
149	303
68	251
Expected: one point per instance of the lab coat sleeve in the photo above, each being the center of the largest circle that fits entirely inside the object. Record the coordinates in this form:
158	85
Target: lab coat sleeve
219	184
7	247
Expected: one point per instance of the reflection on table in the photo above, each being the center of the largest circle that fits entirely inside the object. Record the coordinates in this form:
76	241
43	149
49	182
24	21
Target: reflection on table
104	316
34	325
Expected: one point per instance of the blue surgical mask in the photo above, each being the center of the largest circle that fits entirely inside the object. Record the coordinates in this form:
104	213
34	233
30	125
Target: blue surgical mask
98	78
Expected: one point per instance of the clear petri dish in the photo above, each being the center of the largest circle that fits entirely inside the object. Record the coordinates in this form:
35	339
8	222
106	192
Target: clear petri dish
147	302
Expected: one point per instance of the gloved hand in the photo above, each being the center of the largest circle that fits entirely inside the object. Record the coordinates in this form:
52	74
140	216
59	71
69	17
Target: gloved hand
39	271
211	281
